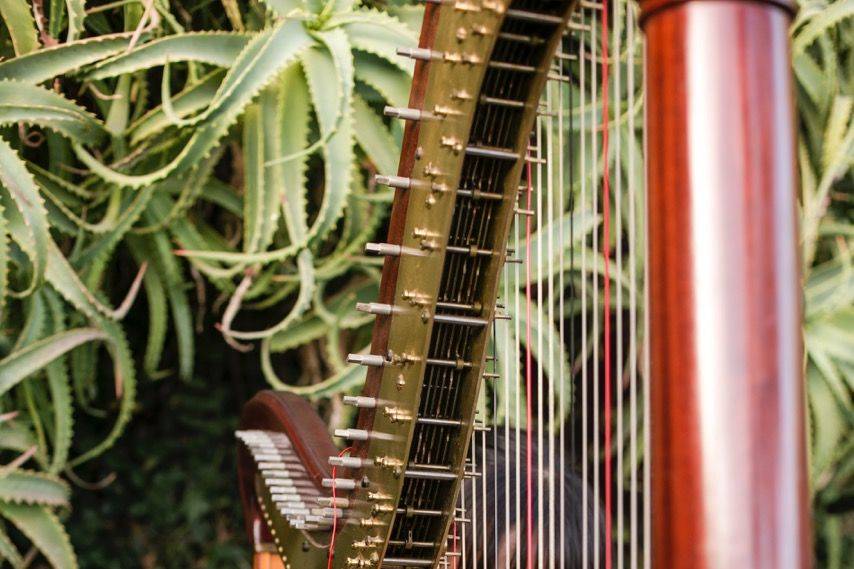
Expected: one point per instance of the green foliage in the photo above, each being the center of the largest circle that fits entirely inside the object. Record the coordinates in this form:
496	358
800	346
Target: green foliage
823	36
158	155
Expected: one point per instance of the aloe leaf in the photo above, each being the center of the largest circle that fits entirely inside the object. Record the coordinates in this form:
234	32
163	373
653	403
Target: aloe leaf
8	551
76	18
380	34
285	8
260	197
47	63
343	381
833	13
837	157
35	105
320	64
192	99
17	437
374	138
190	188
59	384
67	283
158	322
157	249
35	355
574	226
21	25
828	426
292	124
58	184
305	268
389	81
214	48
28	487
4	263
44	530
24	193
552	357
259	63
125	384
811	77
411	15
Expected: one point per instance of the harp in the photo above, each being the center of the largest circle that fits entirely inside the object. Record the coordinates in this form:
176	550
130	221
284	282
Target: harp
660	354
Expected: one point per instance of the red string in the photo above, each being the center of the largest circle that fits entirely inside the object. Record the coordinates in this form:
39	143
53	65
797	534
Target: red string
606	246
528	383
334	516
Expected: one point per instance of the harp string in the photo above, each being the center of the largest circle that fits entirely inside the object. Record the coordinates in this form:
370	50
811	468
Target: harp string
618	255
529	388
562	92
595	311
647	462
606	286
585	478
542	356
633	367
594	79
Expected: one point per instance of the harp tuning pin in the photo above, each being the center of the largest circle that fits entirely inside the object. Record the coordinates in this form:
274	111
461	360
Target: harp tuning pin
526	212
384	249
360	401
371	360
348	461
376	308
336	502
502	316
405	113
340	483
371	522
393	181
353	434
420	53
490	375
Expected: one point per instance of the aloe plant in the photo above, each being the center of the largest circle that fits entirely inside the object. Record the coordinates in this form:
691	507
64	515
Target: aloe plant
138	150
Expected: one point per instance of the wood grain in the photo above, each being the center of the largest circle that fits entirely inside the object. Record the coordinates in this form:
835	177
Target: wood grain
728	437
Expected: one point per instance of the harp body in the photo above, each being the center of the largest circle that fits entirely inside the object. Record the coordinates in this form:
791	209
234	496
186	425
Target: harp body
728	479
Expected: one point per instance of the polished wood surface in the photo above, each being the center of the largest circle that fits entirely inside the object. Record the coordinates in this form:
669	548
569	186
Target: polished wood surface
728	436
267	561
279	411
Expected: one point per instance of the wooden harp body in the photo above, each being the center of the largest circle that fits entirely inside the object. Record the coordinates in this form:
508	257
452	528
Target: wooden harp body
725	476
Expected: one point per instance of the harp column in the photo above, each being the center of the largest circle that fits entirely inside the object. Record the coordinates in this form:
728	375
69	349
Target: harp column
729	479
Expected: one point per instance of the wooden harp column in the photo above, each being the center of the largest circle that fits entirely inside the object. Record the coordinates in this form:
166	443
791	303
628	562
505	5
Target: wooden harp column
729	482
